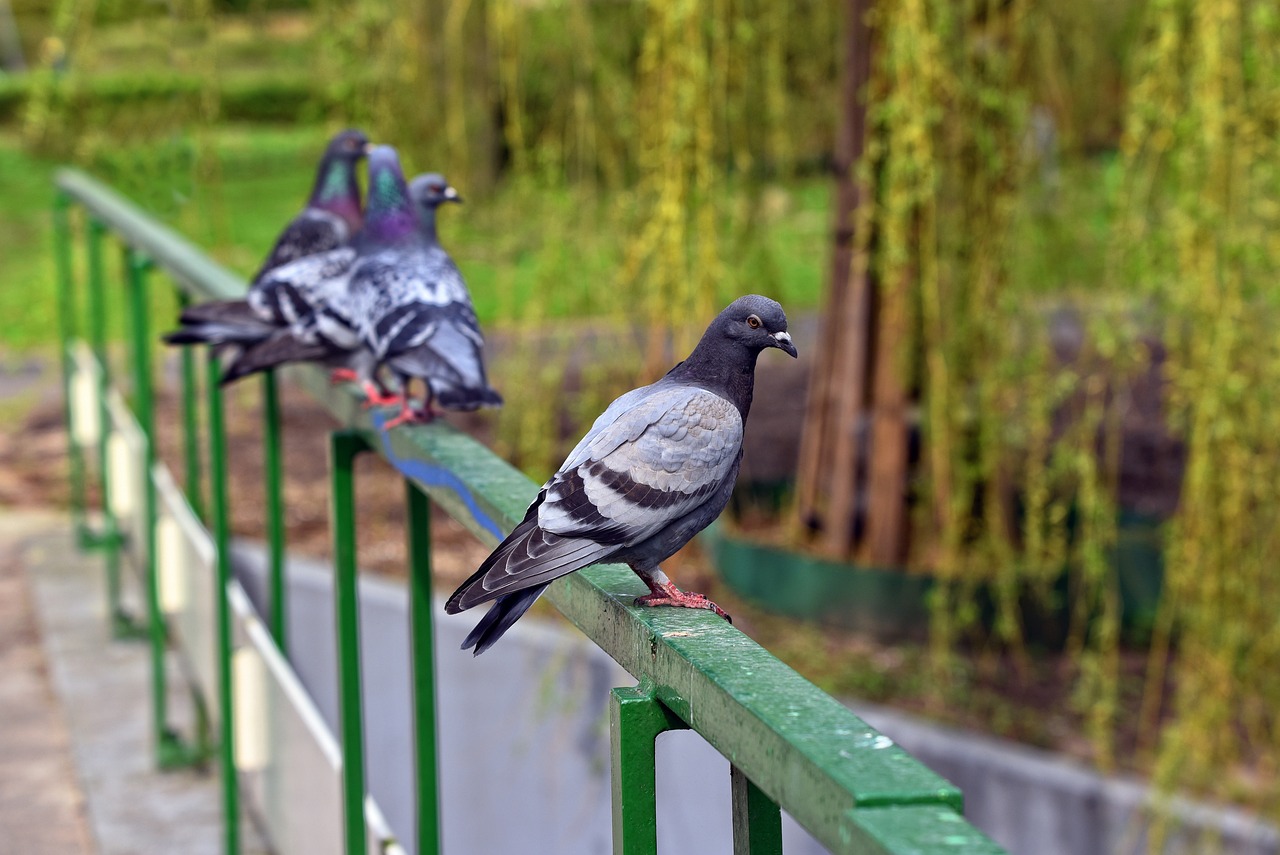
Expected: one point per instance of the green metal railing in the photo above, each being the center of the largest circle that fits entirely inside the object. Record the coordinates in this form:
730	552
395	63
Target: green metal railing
789	744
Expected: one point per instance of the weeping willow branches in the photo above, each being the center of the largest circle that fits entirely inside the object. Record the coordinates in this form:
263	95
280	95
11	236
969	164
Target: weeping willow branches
1199	232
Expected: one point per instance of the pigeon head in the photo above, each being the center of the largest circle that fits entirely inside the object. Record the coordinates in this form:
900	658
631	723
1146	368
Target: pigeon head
389	215
755	323
350	145
431	190
725	359
336	189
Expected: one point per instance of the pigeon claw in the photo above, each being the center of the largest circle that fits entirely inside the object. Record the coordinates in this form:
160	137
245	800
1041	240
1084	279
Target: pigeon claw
343	375
375	397
410	416
667	594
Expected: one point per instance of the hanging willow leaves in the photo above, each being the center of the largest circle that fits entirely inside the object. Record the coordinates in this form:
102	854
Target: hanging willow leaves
1199	229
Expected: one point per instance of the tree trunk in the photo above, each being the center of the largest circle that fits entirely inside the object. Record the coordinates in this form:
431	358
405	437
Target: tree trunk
829	446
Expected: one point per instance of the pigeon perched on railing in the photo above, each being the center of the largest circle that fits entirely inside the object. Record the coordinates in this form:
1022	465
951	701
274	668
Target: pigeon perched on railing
313	308
327	225
400	302
332	216
411	306
655	469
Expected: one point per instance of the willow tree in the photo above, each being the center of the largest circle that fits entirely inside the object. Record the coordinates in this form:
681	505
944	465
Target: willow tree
1199	233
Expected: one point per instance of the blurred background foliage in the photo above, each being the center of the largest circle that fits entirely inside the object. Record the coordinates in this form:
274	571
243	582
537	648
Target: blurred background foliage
1072	206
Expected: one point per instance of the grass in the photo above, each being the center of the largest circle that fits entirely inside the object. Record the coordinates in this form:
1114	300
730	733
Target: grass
519	246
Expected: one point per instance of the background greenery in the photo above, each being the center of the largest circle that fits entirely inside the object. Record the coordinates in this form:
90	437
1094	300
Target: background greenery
637	164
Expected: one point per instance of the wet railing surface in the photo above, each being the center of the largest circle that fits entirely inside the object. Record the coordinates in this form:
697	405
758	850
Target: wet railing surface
789	744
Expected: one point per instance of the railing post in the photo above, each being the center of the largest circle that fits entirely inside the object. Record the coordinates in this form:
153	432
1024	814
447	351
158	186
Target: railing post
344	447
123	624
422	649
136	267
66	332
636	717
191	425
222	545
757	819
271	464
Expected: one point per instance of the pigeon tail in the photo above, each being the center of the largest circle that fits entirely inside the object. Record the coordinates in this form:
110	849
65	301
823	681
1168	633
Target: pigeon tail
466	398
505	612
270	352
219	311
219	333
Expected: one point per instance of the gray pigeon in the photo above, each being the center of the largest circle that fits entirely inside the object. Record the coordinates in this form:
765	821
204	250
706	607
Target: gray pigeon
413	311
332	216
655	469
329	222
317	323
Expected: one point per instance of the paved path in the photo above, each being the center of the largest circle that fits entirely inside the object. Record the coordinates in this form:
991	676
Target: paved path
77	775
42	805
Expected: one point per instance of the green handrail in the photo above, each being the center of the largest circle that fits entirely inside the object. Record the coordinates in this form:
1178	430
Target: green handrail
788	743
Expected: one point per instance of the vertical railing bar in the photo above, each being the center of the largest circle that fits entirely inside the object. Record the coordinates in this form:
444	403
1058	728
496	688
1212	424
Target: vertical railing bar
191	424
344	446
272	465
122	624
222	544
66	332
757	819
422	651
636	717
136	267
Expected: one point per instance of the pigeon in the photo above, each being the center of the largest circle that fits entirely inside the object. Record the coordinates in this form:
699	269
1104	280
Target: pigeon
332	216
412	308
314	314
655	469
325	227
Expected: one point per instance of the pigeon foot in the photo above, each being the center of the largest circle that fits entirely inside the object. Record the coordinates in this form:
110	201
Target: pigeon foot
410	416
375	397
342	375
667	594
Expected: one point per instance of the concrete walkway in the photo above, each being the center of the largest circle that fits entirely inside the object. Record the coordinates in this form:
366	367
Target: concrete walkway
42	805
77	773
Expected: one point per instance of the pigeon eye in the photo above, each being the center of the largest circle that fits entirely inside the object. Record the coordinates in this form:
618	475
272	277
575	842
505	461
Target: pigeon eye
753	322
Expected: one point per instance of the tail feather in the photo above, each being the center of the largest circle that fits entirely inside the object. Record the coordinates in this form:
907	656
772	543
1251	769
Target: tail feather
276	350
467	398
219	333
220	322
506	610
219	311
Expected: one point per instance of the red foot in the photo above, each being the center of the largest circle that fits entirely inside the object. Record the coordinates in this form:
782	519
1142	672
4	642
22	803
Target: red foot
410	416
343	375
667	594
375	397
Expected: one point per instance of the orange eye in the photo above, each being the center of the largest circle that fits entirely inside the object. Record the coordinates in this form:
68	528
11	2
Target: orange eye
753	322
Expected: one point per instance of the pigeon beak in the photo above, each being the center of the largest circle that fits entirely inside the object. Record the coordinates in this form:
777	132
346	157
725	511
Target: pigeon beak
782	341
451	195
368	149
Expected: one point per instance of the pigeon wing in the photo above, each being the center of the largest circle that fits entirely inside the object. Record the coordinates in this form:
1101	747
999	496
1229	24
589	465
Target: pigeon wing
313	231
657	462
296	289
